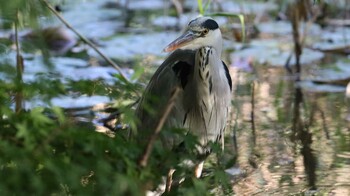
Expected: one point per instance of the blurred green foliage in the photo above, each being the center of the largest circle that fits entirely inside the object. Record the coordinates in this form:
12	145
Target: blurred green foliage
27	11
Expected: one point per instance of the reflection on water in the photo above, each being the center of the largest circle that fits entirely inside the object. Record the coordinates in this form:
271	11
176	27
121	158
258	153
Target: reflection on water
301	132
300	142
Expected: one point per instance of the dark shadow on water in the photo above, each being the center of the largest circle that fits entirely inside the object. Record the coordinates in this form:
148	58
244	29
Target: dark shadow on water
302	135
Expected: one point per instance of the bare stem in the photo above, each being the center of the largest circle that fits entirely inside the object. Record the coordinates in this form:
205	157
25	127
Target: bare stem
303	36
297	44
88	42
252	113
144	158
19	67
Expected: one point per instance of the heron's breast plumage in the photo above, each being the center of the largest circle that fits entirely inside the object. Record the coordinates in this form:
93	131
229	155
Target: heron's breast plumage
206	97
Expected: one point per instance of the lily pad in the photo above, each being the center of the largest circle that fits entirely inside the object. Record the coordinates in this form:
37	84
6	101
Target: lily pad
129	46
168	21
182	21
146	5
285	28
89	11
338	47
274	53
68	61
90	73
64	68
334	40
90	18
244	7
337	74
313	87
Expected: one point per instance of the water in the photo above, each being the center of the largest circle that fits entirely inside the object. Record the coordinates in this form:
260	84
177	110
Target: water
300	142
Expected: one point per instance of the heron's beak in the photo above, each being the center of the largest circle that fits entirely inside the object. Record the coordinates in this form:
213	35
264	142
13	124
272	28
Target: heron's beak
181	41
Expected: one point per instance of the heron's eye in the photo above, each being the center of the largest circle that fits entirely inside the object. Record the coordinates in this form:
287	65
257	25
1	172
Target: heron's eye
205	31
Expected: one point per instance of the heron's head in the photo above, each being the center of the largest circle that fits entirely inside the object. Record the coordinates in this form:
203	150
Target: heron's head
201	32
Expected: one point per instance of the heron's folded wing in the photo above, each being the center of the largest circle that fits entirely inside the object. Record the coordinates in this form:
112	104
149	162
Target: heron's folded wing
172	72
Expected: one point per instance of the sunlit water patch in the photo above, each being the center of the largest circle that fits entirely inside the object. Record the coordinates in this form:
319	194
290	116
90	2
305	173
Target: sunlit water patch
334	40
129	46
274	53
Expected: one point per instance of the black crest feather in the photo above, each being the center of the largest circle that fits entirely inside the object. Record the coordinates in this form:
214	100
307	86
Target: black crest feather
210	24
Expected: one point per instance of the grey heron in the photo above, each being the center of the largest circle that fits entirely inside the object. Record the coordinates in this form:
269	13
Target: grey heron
203	103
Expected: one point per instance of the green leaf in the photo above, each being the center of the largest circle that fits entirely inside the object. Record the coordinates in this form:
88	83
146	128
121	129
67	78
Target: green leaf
39	119
200	7
26	11
59	114
138	72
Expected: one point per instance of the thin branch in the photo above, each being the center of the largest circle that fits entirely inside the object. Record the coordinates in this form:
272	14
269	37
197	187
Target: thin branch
19	67
296	36
302	39
252	113
171	102
88	42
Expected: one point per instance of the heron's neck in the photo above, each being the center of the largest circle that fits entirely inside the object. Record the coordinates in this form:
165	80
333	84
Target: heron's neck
206	70
217	45
209	54
218	48
208	63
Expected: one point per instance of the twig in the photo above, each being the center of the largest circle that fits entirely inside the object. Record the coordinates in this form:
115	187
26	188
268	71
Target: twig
296	37
302	40
324	123
144	158
235	116
178	7
88	42
252	113
19	67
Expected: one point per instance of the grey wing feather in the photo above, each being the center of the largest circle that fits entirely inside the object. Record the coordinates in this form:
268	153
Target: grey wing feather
157	94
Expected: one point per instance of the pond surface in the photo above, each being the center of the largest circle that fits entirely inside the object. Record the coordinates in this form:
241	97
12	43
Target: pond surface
298	141
289	138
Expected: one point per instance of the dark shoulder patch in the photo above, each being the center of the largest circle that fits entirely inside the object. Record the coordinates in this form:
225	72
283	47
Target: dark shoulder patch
210	24
229	80
182	70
